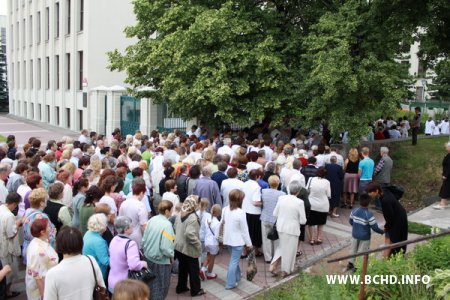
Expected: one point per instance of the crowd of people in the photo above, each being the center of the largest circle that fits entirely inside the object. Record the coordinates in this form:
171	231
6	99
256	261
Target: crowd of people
169	203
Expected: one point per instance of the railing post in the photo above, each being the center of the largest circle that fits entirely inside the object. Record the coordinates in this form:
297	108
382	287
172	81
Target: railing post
363	275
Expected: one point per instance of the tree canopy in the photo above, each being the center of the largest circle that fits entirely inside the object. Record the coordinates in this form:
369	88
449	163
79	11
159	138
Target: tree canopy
290	62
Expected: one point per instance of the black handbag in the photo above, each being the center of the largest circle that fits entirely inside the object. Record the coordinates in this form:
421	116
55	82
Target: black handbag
100	293
144	275
273	233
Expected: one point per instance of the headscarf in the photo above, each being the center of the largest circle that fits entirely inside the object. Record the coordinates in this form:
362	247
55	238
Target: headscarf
189	206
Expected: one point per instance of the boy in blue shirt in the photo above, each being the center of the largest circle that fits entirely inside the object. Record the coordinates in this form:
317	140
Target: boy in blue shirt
362	220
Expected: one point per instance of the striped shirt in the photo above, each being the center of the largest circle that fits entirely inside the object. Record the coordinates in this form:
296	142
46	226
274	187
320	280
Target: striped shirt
362	220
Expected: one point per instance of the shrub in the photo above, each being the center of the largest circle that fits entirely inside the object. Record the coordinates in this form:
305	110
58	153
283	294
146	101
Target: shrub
433	255
440	282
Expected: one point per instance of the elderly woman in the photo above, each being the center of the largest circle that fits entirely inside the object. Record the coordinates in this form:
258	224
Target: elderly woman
79	195
94	244
188	247
290	214
65	281
131	289
57	212
40	258
159	249
319	193
38	201
124	253
93	195
444	192
269	199
235	235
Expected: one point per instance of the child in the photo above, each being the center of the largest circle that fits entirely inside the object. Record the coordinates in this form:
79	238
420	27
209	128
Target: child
362	220
203	215
211	242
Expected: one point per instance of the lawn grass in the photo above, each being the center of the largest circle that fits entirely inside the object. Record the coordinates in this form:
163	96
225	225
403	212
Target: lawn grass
2	138
418	228
418	169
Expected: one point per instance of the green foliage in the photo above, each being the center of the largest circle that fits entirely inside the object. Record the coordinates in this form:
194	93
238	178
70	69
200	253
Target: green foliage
440	281
442	81
2	138
397	265
418	228
309	287
433	255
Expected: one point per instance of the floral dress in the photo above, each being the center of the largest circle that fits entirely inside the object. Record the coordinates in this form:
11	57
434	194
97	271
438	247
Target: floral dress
41	257
32	214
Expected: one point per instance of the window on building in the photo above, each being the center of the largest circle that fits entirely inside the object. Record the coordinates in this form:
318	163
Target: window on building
38	27
18	75
68	70
68	117
47	23
57	116
31	74
12	76
47	71
80	119
24	73
30	33
68	11
81	16
56	19
32	110
24	26
17	35
38	74
39	116
57	72
48	114
80	70
11	34
25	109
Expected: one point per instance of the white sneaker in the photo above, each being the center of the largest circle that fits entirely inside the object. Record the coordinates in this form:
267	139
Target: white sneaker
438	206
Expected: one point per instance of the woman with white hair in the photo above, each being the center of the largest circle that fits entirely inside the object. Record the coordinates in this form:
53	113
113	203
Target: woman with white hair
124	253
444	193
93	243
290	214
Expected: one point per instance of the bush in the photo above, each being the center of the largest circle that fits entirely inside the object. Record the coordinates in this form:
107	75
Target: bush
433	255
398	265
440	281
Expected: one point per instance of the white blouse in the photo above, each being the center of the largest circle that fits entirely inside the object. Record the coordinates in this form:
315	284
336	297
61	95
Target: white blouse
320	192
235	231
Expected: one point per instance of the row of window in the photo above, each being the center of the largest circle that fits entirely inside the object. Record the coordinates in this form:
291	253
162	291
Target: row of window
56	113
20	28
19	80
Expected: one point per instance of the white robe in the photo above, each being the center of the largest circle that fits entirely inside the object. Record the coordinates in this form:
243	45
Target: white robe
437	129
445	127
429	127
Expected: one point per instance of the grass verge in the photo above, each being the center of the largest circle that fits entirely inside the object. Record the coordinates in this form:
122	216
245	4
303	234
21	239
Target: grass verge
418	169
418	228
2	138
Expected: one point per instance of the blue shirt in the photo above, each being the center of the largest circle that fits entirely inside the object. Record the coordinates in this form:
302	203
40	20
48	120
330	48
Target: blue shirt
362	220
366	166
95	246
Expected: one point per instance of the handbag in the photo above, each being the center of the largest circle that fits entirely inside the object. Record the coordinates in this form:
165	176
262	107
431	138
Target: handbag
144	275
100	293
251	266
273	233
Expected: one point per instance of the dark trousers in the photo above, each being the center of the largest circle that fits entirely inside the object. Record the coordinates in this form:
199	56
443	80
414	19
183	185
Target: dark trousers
188	266
415	131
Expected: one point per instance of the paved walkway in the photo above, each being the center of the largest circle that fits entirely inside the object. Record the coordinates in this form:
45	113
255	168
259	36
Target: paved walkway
23	129
432	217
337	234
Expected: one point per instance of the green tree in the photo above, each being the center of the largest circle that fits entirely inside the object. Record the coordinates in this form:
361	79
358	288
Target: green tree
352	69
3	78
442	81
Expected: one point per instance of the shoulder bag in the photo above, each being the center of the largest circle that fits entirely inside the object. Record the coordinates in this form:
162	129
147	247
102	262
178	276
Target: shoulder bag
273	233
100	293
144	275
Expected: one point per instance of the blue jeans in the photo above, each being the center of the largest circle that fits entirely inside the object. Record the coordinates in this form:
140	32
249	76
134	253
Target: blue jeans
234	271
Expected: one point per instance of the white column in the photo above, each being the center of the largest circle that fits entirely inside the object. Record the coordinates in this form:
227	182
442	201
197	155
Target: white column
149	119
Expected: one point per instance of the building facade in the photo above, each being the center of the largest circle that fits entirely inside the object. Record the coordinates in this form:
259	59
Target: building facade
57	56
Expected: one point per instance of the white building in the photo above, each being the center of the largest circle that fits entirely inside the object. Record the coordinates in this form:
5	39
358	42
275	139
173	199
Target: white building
56	56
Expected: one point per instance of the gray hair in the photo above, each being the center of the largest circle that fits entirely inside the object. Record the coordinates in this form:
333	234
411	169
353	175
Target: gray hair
207	172
333	159
122	223
296	164
227	141
97	223
384	150
4	168
294	187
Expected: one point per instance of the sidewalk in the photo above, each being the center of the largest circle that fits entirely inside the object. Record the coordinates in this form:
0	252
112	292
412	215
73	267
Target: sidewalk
23	129
432	217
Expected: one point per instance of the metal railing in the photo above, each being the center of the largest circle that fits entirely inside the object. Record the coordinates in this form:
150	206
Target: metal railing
390	246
